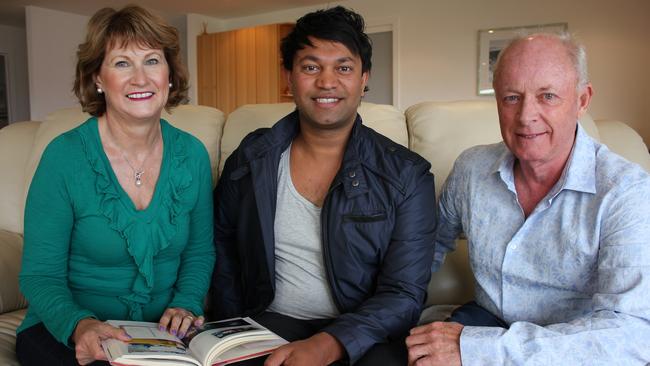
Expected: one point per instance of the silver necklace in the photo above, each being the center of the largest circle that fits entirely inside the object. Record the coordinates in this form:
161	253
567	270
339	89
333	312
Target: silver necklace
137	173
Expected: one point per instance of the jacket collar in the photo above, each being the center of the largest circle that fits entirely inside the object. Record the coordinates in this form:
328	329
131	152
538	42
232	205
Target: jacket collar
278	138
279	135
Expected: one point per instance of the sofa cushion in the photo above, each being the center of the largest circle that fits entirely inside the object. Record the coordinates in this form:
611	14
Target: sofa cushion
11	250
453	283
8	324
246	119
623	140
440	131
16	142
206	123
385	119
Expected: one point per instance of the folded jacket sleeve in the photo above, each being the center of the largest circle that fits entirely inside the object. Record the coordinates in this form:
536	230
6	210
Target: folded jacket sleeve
49	219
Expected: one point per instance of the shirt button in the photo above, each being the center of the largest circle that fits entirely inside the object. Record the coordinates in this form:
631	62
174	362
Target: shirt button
392	148
352	174
355	183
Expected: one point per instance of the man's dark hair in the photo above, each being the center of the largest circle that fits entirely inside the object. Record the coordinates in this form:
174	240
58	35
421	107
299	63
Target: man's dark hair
337	24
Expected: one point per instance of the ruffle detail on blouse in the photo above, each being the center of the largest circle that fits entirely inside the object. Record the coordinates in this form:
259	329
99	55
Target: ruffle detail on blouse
144	238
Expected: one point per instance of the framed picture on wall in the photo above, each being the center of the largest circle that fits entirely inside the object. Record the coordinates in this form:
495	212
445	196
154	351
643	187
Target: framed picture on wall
492	41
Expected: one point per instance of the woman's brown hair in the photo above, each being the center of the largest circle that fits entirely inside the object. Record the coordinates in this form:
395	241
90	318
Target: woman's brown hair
132	24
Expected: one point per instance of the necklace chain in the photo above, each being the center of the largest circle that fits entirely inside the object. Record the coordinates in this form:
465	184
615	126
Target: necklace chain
137	173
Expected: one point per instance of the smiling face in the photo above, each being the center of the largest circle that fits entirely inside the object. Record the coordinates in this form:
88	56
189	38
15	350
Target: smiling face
538	100
135	81
327	84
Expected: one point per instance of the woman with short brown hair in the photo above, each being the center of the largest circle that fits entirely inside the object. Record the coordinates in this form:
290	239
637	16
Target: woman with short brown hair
118	219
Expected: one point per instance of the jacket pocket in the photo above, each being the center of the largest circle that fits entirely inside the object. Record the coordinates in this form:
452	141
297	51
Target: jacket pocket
361	218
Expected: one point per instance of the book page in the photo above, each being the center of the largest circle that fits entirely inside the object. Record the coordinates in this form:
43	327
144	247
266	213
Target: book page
148	346
243	336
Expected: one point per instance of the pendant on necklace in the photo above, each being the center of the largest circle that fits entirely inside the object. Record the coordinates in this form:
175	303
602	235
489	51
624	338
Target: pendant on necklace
138	178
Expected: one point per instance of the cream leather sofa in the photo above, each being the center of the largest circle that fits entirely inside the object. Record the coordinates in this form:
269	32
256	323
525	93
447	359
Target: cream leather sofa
439	131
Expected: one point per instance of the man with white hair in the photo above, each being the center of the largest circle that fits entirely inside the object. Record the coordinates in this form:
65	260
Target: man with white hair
558	229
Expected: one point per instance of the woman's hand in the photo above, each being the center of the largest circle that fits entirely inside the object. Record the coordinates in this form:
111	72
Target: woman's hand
178	321
87	338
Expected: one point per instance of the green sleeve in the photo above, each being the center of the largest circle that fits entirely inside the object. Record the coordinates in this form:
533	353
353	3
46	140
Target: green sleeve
49	218
197	261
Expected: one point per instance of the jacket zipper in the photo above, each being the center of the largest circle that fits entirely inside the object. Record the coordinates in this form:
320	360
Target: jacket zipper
329	271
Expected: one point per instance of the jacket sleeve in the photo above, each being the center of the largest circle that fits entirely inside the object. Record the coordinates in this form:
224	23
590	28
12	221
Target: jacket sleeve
197	261
616	331
49	218
403	277
226	292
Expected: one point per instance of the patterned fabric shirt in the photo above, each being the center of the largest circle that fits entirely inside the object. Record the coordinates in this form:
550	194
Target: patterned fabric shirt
573	278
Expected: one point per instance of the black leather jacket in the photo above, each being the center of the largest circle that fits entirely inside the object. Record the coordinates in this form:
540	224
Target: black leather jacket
378	223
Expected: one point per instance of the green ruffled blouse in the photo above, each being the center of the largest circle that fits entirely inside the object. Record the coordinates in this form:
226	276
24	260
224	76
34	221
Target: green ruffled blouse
89	253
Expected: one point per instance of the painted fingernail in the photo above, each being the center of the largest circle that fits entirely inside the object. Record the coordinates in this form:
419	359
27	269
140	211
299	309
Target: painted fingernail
173	331
161	328
181	335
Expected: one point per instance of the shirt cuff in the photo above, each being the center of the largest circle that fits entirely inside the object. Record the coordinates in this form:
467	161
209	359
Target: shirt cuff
480	346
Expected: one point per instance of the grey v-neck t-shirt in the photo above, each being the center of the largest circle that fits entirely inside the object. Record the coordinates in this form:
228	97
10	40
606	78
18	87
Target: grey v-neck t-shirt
301	287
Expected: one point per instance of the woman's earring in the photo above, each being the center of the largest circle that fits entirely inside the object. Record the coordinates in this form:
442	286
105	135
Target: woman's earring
99	90
170	85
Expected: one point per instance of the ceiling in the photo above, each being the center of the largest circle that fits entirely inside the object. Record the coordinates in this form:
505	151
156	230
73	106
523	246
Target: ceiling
12	12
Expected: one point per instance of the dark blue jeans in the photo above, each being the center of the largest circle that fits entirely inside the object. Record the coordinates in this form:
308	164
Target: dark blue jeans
35	346
385	354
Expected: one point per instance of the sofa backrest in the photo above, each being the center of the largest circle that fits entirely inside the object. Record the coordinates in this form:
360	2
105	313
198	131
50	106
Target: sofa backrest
204	122
625	141
440	131
16	141
384	119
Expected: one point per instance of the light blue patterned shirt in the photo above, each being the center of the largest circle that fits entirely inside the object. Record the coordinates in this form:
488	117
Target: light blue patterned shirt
572	279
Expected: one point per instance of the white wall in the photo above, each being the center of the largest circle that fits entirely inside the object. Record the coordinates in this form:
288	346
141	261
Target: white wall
13	42
437	43
52	40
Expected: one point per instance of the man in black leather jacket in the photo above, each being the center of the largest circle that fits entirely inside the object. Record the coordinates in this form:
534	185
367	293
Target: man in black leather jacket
324	228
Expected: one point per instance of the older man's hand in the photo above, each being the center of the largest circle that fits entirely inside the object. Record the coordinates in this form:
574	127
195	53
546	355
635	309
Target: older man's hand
436	343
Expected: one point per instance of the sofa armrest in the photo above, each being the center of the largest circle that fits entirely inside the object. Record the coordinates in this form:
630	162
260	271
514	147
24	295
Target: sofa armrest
11	250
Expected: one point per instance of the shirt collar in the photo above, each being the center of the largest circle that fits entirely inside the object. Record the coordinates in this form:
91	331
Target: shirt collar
579	172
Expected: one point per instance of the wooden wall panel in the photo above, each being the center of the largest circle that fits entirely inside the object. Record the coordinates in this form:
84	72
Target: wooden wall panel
245	66
266	68
206	85
226	71
241	67
284	94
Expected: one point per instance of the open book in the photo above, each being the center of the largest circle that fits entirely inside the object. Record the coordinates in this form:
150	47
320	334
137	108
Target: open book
215	343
